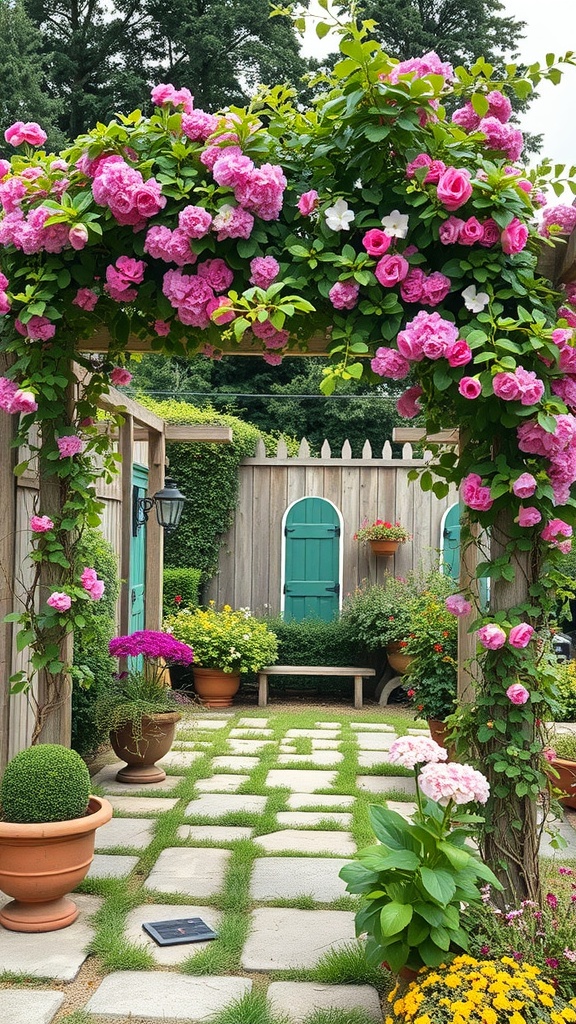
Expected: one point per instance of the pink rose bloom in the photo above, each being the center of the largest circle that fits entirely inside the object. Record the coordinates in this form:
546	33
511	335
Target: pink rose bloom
5	168
531	387
521	635
466	117
344	294
5	304
78	236
214	305
456	783
232	222
88	578
435	172
458	353
449	231
272	358
29	132
499	106
389	363
561	218
550	755
474	494
131	270
514	237
555	528
264	270
71	444
41	524
308	202
472	231
412	286
428	334
194	221
166	93
524	486
97	590
408	751
458	605
506	386
161	328
390	270
435	288
198	125
490	233
470	387
39	328
528	516
517	694
491	636
407	405
217	274
376	242
454	188
120	377
86	299
422	160
24	401
59	601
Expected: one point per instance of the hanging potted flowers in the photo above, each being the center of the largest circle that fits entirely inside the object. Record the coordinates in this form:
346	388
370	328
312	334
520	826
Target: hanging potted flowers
384	537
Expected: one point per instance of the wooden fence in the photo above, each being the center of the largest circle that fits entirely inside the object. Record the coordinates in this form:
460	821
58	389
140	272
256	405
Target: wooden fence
376	485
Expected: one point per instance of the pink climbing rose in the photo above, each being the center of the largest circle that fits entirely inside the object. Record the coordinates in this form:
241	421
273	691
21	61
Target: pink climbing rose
71	444
120	377
524	486
389	363
470	387
376	242
491	636
454	188
407	405
41	524
474	494
86	299
517	694
344	294
529	516
308	202
59	601
514	237
458	605
521	635
28	131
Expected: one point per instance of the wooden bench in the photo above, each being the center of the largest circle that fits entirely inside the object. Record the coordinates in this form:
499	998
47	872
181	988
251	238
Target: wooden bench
311	670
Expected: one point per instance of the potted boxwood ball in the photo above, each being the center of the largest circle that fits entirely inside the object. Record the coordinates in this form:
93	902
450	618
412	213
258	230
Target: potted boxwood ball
47	830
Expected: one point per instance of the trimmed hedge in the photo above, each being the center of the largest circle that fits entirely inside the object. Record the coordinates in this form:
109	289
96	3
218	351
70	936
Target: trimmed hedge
184	583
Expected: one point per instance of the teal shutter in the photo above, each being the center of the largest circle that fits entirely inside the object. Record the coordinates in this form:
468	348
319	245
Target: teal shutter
137	580
451	552
312	560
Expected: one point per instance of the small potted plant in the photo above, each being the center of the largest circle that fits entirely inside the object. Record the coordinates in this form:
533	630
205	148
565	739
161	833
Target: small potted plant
561	759
384	537
47	827
226	644
138	707
433	672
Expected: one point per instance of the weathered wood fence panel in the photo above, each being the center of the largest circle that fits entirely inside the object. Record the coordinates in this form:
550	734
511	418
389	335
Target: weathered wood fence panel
371	487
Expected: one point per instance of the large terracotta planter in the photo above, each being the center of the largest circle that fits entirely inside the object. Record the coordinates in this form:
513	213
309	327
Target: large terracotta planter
438	731
215	688
141	752
566	780
397	659
384	548
40	864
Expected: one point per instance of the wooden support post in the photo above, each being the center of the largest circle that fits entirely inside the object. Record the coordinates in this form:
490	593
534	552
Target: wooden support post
7	531
154	533
262	689
467	640
358	691
126	451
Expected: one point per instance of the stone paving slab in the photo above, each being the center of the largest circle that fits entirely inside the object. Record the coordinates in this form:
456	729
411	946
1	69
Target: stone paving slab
210	724
134	832
325	744
386	784
221	783
296	999
375	740
308	819
142	804
327	725
372	758
249	746
150	912
28	1006
179	758
192	745
299	780
281	939
287	748
275	878
254	723
197	872
233	763
317	757
298	801
308	841
405	808
106	778
216	805
165	996
313	734
57	955
214	833
371	727
417	731
244	731
109	865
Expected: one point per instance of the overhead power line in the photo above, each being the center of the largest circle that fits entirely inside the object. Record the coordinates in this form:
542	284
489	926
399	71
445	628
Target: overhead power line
240	394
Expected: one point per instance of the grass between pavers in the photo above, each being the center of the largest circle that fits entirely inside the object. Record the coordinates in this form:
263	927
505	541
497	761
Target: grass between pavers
343	966
254	1008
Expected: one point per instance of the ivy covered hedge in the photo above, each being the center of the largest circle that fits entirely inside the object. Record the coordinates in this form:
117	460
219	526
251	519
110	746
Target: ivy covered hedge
208	475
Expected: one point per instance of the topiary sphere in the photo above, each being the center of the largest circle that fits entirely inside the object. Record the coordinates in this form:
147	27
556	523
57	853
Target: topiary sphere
45	783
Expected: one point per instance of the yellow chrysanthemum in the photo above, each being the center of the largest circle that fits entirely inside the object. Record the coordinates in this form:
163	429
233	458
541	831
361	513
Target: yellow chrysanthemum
545	1000
423	1019
516	1018
452	981
489	1016
501	1002
569	1012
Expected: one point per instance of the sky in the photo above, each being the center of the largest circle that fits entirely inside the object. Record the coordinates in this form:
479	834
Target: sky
550	28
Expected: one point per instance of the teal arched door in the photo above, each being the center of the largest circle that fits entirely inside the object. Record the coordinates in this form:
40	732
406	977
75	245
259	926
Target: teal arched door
137	582
451	551
311	560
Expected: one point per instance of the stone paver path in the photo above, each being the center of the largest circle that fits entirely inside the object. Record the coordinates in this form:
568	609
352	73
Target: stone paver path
292	834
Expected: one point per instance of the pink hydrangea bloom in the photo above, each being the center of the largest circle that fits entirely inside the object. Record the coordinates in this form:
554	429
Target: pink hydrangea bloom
264	270
389	363
524	486
514	237
456	783
344	294
561	218
272	358
217	274
120	377
70	444
97	590
517	694
262	192
390	270
194	221
88	578
458	605
528	516
502	137
308	202
41	524
130	199
454	188
499	106
466	117
409	751
59	601
28	131
470	387
86	299
521	635
474	494
189	294
163	94
407	405
198	125
418	67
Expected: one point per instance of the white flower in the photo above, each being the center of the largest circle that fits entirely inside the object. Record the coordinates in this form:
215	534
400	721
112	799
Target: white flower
473	301
395	224
338	217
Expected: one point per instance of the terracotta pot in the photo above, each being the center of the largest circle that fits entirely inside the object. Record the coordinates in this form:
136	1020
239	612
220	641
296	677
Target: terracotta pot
140	753
437	731
566	780
215	688
405	974
397	659
40	863
384	548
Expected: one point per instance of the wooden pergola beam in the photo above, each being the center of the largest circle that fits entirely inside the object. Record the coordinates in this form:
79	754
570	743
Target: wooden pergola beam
410	434
99	342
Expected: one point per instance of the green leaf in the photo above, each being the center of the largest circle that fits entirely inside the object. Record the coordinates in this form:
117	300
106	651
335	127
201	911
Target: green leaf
395	917
390	828
418	931
24	638
457	857
432	914
439	884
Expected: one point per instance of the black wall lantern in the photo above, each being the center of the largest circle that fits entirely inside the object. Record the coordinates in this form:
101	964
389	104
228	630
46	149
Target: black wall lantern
169	505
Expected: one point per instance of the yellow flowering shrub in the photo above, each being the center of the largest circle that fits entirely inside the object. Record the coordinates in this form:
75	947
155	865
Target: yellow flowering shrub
469	991
233	641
